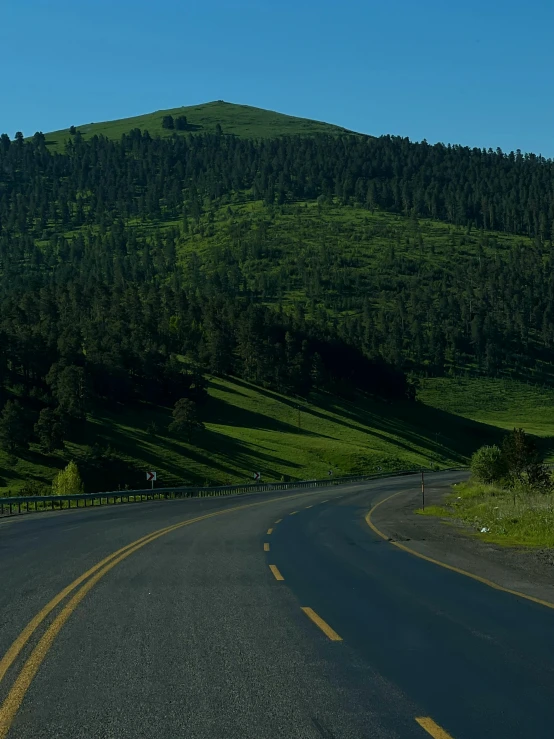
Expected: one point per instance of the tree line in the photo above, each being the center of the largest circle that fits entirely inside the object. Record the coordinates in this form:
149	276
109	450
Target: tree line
150	177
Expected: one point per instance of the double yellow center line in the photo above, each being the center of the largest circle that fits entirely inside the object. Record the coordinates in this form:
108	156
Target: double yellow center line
30	668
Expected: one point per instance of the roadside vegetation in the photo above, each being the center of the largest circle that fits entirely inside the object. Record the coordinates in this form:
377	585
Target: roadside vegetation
510	496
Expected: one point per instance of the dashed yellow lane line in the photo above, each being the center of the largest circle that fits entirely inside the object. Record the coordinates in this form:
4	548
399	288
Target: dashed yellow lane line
323	501
293	513
276	572
270	531
432	728
278	520
446	566
309	506
318	621
266	547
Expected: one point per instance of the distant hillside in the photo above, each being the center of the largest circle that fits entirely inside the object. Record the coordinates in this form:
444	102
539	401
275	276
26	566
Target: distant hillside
244	121
329	272
250	429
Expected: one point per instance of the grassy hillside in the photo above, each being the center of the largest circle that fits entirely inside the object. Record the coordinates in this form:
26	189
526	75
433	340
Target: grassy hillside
310	237
496	402
237	120
166	245
250	429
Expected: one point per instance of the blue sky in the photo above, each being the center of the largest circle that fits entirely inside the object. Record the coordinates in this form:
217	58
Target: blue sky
473	73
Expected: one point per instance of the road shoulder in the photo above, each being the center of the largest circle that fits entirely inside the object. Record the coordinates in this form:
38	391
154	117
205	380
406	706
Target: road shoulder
529	571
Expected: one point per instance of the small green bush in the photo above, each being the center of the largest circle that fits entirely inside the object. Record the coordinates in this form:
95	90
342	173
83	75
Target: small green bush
487	464
68	481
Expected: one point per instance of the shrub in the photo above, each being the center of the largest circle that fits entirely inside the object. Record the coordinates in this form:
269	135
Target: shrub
487	464
68	481
34	487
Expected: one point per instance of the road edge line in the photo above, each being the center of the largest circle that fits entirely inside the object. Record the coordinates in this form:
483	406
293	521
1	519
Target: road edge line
446	566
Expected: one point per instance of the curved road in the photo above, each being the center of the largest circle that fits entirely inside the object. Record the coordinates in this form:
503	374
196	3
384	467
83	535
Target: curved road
273	615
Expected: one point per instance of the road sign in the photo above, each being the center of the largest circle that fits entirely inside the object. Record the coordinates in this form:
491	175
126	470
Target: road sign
151	476
257	475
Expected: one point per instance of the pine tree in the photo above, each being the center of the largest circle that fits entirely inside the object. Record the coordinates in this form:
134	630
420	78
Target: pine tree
185	419
15	426
49	430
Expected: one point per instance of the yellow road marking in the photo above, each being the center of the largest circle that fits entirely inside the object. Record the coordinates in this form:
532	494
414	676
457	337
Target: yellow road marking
15	696
278	520
309	506
327	630
293	513
480	579
266	547
323	501
21	685
270	531
432	728
8	659
276	573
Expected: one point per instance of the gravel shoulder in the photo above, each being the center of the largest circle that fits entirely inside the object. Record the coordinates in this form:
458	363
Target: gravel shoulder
530	571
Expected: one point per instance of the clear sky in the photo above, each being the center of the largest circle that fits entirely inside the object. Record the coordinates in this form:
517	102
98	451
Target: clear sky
477	72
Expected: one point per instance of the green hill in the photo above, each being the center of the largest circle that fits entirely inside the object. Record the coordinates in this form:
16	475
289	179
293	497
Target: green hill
328	272
250	429
244	121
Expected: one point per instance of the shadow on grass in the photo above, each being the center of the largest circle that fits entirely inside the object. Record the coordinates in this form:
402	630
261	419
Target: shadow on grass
438	432
411	426
220	412
212	450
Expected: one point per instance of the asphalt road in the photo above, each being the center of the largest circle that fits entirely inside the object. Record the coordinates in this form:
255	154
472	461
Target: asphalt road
192	635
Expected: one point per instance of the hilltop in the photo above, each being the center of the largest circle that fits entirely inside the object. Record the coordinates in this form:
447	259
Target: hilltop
244	121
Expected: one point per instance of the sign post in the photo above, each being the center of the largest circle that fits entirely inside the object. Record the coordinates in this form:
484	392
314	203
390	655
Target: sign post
151	477
422	491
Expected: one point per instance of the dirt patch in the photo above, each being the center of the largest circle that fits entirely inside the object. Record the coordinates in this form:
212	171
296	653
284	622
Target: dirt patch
531	571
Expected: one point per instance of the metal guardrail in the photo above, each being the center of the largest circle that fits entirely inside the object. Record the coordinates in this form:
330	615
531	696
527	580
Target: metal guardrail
30	504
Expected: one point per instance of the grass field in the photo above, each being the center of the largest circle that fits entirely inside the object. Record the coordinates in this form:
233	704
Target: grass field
237	120
509	518
249	429
496	402
501	516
